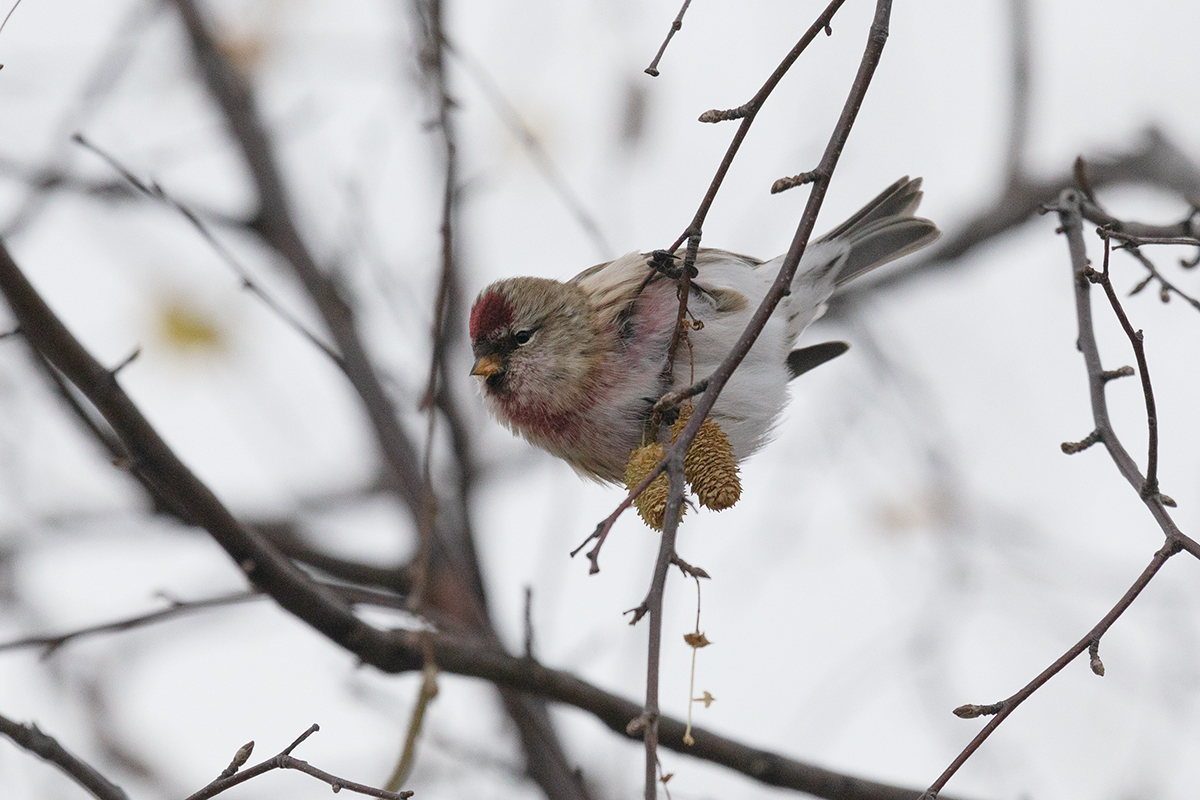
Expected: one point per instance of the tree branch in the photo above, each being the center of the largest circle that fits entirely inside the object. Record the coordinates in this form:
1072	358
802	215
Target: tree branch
1070	213
284	760
48	748
49	644
649	720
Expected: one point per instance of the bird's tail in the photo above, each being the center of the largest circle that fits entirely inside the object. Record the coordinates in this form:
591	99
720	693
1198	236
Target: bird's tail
882	230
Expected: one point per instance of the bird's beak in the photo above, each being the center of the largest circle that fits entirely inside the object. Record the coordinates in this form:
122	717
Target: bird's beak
486	366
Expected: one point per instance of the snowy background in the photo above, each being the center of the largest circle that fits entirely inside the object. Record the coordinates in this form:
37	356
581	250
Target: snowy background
913	540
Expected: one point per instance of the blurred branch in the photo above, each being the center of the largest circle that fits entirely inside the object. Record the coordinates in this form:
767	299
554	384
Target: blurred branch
47	179
285	536
1022	77
461	590
534	147
545	760
328	612
101	80
156	192
433	68
284	760
261	563
55	179
48	748
49	644
274	223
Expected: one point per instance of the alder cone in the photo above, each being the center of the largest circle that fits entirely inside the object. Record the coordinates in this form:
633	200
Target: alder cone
652	503
709	465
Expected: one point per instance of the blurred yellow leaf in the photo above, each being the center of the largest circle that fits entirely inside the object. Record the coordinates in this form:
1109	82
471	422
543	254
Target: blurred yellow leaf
187	328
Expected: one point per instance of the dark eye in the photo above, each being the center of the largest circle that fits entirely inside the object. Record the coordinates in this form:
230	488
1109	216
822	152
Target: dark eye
522	337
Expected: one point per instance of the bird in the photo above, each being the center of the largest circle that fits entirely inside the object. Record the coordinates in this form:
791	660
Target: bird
576	367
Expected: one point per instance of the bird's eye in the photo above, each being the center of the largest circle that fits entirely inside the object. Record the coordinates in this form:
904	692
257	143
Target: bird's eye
522	337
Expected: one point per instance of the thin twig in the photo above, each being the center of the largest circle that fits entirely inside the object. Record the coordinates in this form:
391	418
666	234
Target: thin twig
408	753
1022	76
1132	239
156	192
652	70
528	649
261	563
673	399
654	603
1150	485
48	748
51	643
876	40
747	114
534	147
693	234
600	533
8	15
102	79
273	221
1070	214
546	760
1006	707
1132	245
285	760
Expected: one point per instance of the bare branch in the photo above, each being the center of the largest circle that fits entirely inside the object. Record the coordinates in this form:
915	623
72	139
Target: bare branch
1150	484
102	79
156	192
1002	709
260	562
782	285
273	221
285	760
1070	212
48	748
51	643
1131	244
1022	78
747	114
534	147
652	70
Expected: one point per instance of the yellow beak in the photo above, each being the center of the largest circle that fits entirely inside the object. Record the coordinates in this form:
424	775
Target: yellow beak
486	366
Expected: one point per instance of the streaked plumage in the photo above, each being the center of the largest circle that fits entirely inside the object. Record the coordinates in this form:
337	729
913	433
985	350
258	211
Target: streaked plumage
575	367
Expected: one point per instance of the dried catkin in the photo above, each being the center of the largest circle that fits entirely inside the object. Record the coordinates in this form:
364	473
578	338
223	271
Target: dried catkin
652	503
709	465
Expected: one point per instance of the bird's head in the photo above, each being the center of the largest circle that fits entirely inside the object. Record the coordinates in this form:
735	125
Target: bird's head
535	347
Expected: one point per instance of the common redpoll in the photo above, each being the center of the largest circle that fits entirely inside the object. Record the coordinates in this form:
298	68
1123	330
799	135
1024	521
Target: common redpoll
576	367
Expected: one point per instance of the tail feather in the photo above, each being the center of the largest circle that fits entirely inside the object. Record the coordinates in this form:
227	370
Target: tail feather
898	200
885	240
882	230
